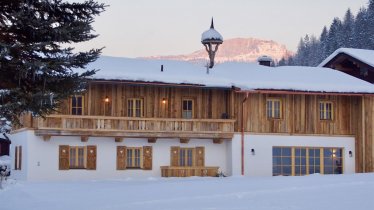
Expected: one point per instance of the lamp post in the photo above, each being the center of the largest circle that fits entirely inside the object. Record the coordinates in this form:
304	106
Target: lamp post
211	39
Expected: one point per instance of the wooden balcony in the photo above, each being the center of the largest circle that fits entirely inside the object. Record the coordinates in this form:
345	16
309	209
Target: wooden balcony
178	171
127	127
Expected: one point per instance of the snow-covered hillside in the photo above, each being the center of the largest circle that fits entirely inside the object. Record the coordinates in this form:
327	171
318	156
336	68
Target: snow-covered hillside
329	192
238	50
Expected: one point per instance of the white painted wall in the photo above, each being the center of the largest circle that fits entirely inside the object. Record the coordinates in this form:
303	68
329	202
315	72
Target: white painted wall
260	164
19	139
42	157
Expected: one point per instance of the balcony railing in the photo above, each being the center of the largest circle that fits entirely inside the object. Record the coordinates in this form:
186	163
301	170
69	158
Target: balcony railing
133	127
178	171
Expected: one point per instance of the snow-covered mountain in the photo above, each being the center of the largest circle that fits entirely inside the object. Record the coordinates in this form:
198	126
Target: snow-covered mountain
237	49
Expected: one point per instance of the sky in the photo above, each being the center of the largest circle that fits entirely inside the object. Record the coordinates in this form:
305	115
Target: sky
140	28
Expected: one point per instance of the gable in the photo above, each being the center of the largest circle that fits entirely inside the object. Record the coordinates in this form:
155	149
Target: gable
351	65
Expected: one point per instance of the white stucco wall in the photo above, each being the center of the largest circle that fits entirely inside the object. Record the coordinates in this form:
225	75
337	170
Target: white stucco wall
260	164
19	139
42	156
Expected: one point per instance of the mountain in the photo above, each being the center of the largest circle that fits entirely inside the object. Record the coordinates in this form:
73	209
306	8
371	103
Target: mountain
237	49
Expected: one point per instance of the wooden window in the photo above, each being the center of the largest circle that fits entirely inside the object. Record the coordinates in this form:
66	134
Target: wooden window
298	161
326	111
332	161
47	100
187	108
300	164
187	157
135	107
18	158
314	156
77	105
134	157
282	161
273	108
77	157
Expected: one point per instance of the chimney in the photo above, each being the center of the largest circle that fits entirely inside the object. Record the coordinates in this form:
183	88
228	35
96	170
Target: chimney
265	60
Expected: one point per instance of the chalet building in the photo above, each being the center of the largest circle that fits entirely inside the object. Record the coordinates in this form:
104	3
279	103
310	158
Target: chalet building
142	118
355	62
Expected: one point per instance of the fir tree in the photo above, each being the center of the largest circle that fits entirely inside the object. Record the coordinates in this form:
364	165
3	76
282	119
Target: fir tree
360	29
370	22
348	30
36	62
323	44
334	40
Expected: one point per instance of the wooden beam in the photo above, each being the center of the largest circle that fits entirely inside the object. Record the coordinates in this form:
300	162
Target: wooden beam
152	140
47	137
118	139
184	140
133	134
218	141
84	138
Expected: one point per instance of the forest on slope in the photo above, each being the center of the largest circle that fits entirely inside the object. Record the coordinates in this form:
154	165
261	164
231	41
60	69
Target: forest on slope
354	31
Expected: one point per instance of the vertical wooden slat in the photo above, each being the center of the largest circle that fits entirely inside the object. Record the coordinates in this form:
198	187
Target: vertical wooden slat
64	153
16	158
91	157
174	156
121	157
147	157
20	157
200	156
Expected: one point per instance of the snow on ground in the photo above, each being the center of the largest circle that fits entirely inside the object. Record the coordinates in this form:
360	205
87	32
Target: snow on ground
5	160
330	192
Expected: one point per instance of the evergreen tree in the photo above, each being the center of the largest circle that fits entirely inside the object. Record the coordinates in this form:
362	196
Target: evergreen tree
314	52
370	23
348	30
323	44
334	40
360	29
36	62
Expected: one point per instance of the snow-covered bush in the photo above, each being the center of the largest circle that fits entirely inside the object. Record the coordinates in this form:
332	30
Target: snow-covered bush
4	169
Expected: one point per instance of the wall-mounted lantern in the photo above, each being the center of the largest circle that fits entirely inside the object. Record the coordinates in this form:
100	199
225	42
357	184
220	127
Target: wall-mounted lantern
253	152
106	100
350	153
163	100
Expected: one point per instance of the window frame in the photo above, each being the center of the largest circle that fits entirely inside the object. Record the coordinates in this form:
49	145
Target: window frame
131	162
192	111
134	108
76	107
273	116
78	157
323	111
187	161
337	163
196	158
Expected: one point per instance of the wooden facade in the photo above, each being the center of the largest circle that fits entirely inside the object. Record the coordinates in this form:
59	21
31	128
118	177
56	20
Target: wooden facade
353	116
352	66
105	113
217	114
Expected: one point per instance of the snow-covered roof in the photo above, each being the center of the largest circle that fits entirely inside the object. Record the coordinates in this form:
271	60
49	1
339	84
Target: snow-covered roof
246	76
264	58
365	56
211	34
